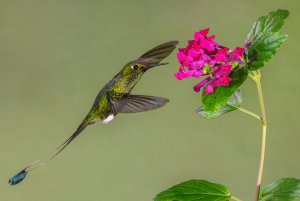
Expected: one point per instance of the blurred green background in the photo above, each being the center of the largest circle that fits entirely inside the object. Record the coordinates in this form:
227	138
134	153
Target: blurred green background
55	56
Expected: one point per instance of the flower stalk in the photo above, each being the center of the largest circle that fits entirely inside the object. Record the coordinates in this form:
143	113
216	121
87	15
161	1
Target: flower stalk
235	198
256	76
249	113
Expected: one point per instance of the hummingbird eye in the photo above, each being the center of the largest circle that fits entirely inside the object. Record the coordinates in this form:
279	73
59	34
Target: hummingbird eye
134	67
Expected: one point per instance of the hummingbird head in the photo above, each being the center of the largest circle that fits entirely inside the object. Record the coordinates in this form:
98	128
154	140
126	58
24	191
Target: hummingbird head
133	71
135	68
150	59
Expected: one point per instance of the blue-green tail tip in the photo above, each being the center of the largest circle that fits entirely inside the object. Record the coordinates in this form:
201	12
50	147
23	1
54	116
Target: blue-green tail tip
17	178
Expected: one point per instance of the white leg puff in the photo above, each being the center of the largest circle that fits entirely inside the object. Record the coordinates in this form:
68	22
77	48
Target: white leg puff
108	119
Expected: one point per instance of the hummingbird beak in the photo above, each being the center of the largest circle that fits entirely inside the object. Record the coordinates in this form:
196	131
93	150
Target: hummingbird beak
155	64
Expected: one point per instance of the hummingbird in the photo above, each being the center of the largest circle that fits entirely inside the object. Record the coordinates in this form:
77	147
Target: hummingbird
114	98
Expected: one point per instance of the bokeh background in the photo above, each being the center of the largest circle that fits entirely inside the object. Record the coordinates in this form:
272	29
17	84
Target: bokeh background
55	56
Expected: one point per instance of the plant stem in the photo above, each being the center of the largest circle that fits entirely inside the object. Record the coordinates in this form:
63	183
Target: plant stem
249	113
251	76
257	79
235	198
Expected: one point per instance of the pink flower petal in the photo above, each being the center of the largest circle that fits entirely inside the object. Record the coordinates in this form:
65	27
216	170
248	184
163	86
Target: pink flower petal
237	53
179	75
181	69
205	57
197	47
221	56
211	38
181	57
247	44
197	64
193	53
198	36
197	74
204	32
217	72
201	35
209	89
208	45
226	80
226	69
198	86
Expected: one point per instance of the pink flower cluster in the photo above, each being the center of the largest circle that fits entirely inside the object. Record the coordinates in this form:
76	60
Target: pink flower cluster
204	57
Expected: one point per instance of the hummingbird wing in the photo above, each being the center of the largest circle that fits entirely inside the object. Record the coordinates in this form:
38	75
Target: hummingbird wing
138	103
158	53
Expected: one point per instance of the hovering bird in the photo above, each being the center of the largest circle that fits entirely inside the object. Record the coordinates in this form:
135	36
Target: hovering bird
114	98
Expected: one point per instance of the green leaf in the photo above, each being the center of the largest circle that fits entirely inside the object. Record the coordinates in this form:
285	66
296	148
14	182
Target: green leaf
287	189
265	39
262	50
193	190
214	102
272	22
232	104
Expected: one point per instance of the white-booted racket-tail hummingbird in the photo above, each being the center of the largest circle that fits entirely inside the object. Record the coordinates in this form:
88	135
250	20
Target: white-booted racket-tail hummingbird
114	98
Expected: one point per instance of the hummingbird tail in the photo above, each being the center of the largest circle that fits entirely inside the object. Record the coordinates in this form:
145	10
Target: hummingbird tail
22	174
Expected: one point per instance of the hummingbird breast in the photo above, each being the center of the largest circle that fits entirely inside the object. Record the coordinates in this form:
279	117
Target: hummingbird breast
114	90
124	84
